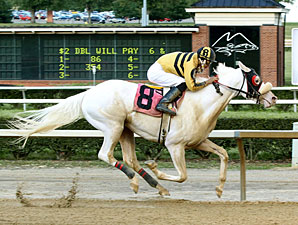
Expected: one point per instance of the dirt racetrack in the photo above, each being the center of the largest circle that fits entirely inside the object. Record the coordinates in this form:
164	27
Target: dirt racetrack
104	197
159	212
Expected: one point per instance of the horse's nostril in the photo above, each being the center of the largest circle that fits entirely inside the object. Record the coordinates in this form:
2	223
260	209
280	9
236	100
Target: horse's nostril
274	98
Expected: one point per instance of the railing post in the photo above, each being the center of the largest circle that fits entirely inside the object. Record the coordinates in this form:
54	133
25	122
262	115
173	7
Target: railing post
242	170
94	75
24	97
295	97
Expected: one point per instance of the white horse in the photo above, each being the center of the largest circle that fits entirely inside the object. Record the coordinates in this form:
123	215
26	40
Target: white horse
109	108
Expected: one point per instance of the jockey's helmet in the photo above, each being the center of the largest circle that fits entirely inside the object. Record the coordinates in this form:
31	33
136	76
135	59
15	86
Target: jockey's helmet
206	56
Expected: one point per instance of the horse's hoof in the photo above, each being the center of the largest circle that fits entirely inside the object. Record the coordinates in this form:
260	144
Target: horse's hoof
134	184
218	191
151	164
162	190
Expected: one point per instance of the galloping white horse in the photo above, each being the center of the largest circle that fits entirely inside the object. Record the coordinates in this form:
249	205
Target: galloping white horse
109	108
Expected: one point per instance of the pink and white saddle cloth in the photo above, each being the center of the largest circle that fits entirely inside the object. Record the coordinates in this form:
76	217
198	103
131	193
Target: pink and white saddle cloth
147	97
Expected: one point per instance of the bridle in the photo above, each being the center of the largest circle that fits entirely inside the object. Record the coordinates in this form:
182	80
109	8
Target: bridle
254	93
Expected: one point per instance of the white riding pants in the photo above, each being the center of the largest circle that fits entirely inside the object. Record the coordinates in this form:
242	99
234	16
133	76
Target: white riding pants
157	75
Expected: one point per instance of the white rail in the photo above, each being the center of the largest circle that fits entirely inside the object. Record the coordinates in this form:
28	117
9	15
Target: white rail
288	43
25	101
233	102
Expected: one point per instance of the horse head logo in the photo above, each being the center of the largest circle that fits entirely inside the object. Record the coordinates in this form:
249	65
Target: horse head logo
226	44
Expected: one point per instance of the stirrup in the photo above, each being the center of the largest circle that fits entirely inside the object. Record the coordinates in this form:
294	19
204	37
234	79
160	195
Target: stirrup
164	108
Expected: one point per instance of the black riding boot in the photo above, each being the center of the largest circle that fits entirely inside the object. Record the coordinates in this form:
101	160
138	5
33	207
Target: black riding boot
168	98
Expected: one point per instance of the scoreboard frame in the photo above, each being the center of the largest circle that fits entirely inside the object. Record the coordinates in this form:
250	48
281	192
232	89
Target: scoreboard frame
35	57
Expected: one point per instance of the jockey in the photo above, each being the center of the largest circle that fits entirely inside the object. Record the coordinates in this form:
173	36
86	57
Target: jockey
178	70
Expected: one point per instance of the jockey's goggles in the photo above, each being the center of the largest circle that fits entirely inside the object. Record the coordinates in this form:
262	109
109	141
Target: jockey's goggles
207	63
204	64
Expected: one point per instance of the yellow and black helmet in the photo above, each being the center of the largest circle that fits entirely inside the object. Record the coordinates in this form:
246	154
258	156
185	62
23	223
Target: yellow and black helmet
207	53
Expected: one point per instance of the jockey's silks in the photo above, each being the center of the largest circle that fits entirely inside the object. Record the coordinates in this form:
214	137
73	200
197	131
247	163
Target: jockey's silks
183	65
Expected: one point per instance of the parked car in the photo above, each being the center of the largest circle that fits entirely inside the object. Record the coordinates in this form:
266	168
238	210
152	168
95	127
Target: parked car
55	15
117	20
41	15
25	16
65	16
97	19
164	19
77	16
15	15
134	18
107	14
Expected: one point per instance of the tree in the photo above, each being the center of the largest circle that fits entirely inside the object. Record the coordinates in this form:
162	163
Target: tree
133	9
5	12
157	10
173	9
91	5
59	5
176	9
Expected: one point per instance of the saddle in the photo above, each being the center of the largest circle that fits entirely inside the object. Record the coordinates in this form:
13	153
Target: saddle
146	99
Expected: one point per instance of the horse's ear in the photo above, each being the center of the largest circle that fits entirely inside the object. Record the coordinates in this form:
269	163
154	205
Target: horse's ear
243	67
218	66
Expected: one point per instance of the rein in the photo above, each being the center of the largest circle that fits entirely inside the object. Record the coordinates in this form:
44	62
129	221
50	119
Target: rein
256	93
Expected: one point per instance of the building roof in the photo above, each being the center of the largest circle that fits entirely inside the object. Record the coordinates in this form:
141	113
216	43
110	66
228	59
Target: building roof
237	4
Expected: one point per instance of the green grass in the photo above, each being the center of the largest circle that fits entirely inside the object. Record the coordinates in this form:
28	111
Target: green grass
268	113
8	113
288	66
288	53
288	29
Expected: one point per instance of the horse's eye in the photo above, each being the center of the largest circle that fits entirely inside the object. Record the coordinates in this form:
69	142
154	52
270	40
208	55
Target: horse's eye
256	80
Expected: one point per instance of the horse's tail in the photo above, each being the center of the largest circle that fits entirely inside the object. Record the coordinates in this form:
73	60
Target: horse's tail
47	119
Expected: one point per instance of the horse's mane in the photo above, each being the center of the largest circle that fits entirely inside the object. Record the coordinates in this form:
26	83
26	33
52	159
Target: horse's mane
222	69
